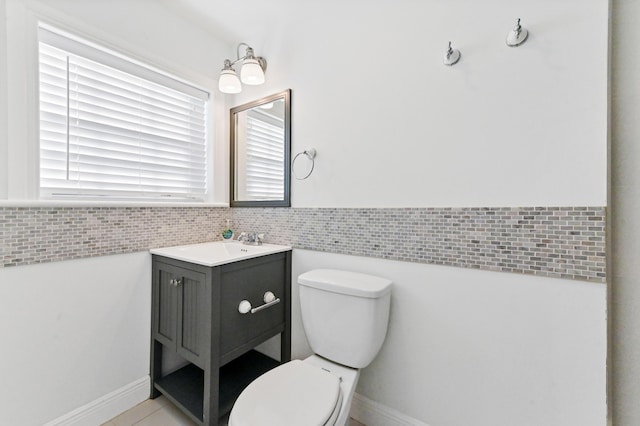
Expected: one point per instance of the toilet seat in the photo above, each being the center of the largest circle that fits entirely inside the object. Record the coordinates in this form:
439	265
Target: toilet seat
294	393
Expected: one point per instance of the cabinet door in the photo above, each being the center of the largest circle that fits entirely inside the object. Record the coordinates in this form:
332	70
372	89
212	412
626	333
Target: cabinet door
181	311
165	304
192	340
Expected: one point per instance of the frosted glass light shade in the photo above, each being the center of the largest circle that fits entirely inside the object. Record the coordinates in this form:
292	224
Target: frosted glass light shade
229	82
251	72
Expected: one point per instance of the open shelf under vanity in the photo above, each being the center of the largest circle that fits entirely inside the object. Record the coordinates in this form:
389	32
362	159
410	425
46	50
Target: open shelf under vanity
185	387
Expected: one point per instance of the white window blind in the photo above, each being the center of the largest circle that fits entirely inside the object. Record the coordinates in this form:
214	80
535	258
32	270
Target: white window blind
265	156
113	128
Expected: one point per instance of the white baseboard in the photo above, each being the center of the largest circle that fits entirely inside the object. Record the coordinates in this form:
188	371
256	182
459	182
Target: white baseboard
101	410
106	407
371	413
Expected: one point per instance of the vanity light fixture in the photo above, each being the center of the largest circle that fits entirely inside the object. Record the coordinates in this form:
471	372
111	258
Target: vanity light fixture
252	71
517	35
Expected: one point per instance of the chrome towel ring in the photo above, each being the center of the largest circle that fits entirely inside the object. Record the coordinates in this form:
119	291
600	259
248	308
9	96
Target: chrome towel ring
311	155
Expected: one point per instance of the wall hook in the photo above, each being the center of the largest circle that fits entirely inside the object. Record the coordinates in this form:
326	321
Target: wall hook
452	56
517	35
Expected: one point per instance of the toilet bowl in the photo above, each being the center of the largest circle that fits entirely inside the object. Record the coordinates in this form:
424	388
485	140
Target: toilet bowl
313	392
345	316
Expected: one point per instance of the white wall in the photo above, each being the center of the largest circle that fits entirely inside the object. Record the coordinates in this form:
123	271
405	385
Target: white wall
3	97
625	202
393	126
468	347
72	332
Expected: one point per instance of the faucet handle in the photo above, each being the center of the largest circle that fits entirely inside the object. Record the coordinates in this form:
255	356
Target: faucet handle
251	238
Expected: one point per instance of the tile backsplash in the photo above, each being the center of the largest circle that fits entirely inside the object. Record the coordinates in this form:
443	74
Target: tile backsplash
34	235
563	242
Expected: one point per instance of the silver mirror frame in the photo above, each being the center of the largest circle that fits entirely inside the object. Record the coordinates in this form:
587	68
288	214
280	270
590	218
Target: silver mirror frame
286	201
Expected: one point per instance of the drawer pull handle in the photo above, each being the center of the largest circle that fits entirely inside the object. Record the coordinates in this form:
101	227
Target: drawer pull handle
269	300
175	282
265	306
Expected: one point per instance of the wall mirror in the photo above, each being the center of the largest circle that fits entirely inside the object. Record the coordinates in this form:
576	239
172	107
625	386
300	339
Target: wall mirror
261	151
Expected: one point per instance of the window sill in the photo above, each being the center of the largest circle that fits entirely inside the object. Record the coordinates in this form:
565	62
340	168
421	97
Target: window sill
78	203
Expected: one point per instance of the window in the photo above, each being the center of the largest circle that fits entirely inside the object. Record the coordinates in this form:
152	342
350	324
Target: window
112	128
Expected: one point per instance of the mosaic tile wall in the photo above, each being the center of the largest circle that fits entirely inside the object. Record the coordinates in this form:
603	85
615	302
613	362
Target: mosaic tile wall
563	242
36	235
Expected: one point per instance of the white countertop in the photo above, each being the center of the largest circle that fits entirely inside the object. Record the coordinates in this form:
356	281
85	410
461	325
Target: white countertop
218	252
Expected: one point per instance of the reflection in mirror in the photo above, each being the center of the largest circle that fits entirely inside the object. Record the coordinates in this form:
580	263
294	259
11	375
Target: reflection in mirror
260	151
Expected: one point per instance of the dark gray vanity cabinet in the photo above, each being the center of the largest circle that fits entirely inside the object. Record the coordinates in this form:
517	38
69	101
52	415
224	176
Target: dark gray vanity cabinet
195	315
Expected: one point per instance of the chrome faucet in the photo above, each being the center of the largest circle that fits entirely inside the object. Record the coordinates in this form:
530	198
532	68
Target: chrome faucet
251	238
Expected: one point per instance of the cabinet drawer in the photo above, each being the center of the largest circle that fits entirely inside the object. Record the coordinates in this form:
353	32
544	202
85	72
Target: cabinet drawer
249	280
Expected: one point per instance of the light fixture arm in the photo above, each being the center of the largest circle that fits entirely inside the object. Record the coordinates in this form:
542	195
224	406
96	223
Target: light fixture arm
248	54
238	51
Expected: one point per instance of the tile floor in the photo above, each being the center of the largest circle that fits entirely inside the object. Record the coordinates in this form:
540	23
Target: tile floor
160	412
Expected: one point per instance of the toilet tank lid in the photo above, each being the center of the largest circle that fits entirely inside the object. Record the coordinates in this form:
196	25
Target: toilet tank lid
346	282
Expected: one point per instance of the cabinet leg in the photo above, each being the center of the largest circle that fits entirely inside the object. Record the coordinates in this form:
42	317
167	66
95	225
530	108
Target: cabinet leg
156	367
211	396
285	345
285	337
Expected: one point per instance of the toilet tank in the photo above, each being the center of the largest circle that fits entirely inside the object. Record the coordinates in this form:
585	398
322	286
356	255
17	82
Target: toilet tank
345	314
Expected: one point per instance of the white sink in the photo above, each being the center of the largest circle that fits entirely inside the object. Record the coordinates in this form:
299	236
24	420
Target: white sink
218	252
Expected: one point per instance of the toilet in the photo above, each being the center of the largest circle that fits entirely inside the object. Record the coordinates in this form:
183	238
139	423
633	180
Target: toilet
345	316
